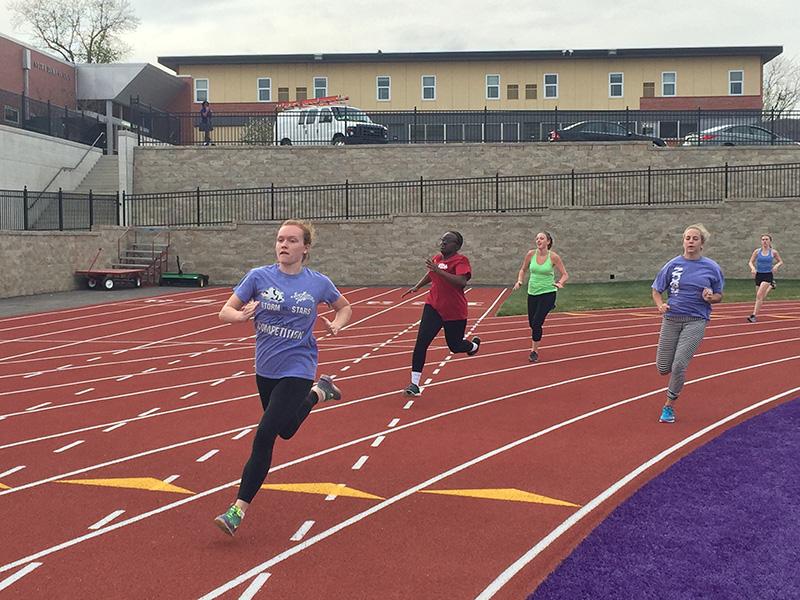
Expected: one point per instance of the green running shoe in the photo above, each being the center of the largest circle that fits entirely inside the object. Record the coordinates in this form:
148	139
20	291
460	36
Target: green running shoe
229	521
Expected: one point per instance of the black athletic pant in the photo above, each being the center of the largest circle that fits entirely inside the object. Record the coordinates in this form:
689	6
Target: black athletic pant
286	404
538	307
430	325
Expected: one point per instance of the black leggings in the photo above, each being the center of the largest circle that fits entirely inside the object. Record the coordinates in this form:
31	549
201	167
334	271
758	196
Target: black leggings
538	307
286	404
431	324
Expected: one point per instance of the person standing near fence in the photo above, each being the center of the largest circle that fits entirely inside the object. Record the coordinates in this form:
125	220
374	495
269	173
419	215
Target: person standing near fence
445	307
206	126
540	265
282	300
763	263
694	283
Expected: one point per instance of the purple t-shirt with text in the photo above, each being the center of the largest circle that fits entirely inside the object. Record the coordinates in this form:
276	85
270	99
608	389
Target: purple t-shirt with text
285	317
685	279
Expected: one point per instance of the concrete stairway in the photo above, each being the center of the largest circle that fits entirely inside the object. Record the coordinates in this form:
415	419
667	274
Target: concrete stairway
103	178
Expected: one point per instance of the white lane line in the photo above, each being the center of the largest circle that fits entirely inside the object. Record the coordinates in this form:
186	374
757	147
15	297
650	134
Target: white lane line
333	495
217	382
360	463
93	358
68	446
207	455
345	368
150	370
376	349
393	422
42	405
106	520
228	344
377	441
19	574
428	381
436	371
300	533
124	377
174	362
119	352
587	508
170	479
149	412
195	354
244	339
113	427
187	396
241	434
62	367
29	375
86	391
239	373
11	471
408	405
254	587
356	361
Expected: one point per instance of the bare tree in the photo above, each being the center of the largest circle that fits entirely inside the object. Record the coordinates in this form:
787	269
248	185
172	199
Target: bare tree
781	84
79	30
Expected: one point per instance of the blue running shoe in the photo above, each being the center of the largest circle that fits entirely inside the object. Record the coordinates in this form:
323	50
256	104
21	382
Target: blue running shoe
229	521
667	415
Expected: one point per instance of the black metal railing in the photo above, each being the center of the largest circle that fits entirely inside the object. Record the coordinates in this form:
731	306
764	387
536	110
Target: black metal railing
644	187
468	126
28	210
46	118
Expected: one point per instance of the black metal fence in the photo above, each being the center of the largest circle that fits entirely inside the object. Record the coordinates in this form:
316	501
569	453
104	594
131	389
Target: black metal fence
482	126
63	211
49	119
646	187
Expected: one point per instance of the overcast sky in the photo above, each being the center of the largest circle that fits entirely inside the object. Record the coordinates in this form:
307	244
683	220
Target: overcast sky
198	27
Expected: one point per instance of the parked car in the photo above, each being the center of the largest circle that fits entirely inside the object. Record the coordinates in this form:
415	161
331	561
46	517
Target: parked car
337	125
599	131
735	135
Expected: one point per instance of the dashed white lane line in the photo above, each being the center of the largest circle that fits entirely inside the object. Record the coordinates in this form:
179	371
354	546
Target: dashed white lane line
187	396
174	362
94	358
106	520
11	471
207	455
86	391
29	375
119	352
149	412
345	368
195	354
68	446
124	377
360	463
62	367
19	574
170	479
300	533
428	380
42	405
241	434
393	422
113	427
436	371
239	373
150	370
377	441
217	382
408	405
333	495
254	587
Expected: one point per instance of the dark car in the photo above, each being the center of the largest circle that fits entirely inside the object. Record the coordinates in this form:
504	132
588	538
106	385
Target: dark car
736	135
599	131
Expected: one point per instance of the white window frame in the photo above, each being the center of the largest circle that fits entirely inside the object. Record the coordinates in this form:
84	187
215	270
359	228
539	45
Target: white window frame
620	83
740	82
493	85
315	87
550	85
423	86
268	88
673	83
207	90
379	87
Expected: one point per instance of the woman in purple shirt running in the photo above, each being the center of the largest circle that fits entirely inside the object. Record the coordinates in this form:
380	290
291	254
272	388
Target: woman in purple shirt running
282	300
694	283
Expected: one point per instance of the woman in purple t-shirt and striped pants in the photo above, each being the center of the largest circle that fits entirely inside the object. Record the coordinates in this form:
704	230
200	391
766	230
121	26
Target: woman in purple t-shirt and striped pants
694	283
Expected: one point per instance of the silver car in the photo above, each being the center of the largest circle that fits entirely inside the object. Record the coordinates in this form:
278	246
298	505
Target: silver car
735	135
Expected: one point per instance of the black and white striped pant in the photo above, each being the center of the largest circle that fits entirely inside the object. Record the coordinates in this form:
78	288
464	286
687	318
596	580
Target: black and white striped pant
680	336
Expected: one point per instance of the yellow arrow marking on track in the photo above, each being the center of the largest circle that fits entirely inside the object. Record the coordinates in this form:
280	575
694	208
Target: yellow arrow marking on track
150	484
511	494
320	488
4	487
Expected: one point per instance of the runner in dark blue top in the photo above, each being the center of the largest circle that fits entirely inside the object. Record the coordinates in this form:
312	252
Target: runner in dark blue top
767	261
282	300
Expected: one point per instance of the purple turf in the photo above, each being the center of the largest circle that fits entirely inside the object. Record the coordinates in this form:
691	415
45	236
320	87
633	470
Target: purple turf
722	523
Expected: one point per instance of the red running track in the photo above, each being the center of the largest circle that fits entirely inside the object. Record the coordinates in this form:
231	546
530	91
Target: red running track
124	428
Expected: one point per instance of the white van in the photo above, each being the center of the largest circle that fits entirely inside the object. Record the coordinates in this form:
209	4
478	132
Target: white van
337	125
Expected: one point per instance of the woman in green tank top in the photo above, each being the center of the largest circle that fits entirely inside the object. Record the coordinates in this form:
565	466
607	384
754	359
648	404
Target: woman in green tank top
540	265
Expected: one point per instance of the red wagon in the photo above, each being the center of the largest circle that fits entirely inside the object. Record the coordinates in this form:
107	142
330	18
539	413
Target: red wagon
110	278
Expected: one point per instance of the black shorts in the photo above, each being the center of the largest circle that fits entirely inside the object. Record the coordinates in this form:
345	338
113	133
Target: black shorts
762	277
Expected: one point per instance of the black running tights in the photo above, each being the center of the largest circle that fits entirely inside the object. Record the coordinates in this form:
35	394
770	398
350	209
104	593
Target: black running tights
430	325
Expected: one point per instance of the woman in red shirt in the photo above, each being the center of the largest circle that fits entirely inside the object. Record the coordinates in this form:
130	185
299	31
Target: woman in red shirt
446	306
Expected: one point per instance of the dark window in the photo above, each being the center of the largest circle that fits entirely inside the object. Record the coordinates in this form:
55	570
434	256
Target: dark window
11	114
649	89
283	94
668	129
301	93
325	115
311	116
512	91
530	91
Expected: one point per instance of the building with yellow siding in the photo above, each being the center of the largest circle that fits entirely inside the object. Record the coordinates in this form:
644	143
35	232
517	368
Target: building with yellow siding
727	77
